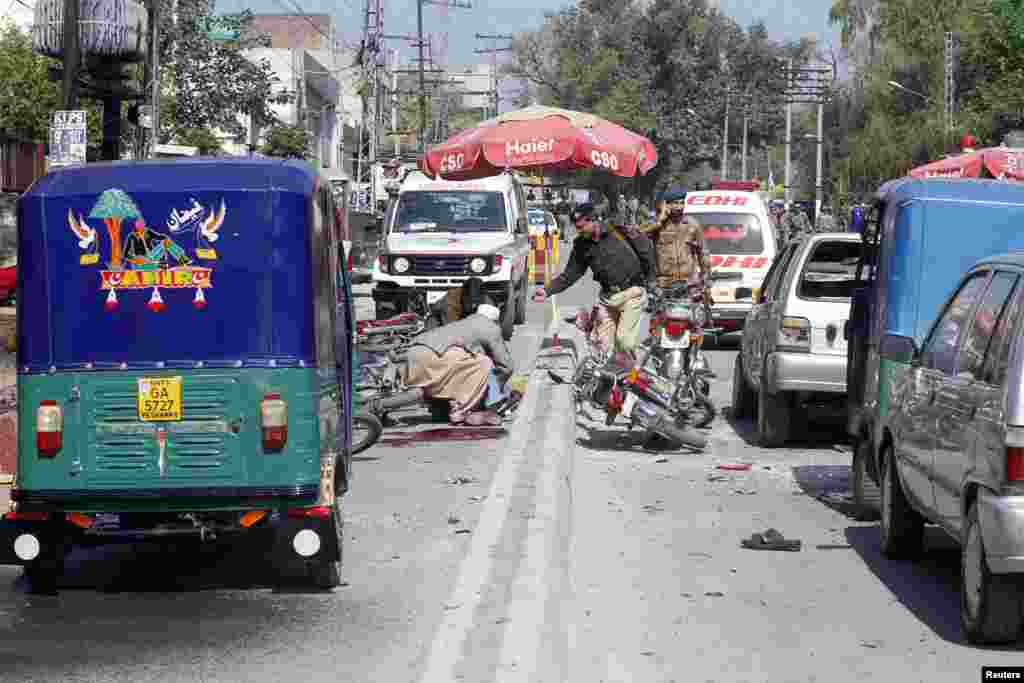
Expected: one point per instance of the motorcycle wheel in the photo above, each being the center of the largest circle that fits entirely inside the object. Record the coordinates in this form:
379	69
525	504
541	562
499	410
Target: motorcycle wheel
682	435
366	429
705	410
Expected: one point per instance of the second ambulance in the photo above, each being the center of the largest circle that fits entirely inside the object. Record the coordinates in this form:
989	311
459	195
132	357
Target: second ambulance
739	235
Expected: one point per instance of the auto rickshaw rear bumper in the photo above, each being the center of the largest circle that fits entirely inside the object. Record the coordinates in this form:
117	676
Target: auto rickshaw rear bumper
300	537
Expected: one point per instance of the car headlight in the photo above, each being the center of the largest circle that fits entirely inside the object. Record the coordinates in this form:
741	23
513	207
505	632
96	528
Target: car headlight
478	265
400	265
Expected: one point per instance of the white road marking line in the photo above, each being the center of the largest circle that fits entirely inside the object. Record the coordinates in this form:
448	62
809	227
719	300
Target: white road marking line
521	641
475	571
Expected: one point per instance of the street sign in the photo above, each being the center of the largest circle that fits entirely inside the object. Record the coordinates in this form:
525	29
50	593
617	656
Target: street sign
145	116
68	137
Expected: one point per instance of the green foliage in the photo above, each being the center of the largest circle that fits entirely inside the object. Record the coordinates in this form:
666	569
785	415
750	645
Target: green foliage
290	142
27	96
886	131
115	203
202	139
661	68
211	81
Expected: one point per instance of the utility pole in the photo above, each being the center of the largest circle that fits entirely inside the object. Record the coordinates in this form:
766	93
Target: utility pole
420	43
807	85
789	131
394	103
154	119
746	119
949	84
725	141
72	55
493	51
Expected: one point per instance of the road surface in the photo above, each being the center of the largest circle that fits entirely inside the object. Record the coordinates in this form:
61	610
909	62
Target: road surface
557	550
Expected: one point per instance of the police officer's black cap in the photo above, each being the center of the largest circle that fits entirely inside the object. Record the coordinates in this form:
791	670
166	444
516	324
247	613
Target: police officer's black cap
674	196
586	210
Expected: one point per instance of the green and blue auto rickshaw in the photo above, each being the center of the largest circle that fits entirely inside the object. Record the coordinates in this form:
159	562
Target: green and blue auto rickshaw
185	363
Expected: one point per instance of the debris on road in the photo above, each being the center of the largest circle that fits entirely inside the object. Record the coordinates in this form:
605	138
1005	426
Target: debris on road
714	594
771	540
735	466
459	481
835	546
717	477
744	492
660	460
452	519
463	531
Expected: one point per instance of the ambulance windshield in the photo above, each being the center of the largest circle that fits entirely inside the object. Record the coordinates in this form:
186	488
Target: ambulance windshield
731	233
450	211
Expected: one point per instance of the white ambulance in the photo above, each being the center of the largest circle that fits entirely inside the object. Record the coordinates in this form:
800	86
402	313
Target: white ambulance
440	233
742	244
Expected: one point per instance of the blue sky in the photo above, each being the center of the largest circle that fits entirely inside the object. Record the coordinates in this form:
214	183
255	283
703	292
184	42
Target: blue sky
785	19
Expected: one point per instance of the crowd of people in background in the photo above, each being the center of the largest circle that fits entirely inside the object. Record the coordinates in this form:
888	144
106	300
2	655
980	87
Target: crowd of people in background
790	220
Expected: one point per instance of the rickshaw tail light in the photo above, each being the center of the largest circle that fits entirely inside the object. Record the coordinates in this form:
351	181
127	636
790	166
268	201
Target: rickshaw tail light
676	328
1014	463
319	511
274	422
49	429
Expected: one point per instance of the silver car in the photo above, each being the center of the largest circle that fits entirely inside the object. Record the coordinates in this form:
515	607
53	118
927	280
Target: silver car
954	453
793	349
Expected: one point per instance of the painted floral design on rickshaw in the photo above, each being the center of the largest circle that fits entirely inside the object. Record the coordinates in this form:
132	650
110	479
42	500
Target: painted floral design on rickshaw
146	258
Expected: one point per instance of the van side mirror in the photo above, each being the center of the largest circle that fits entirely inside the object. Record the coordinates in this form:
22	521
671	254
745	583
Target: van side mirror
898	348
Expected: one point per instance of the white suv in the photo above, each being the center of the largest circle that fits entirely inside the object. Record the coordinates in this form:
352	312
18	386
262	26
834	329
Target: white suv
794	349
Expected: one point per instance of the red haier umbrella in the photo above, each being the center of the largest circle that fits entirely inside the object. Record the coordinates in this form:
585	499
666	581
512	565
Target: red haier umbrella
541	137
969	165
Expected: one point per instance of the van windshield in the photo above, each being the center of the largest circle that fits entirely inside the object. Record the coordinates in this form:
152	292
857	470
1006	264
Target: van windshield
450	211
731	233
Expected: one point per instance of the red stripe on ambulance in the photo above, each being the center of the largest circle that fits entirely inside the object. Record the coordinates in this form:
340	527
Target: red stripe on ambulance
745	262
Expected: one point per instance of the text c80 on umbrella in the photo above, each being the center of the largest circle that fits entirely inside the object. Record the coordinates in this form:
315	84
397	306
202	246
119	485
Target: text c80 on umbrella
604	160
453	162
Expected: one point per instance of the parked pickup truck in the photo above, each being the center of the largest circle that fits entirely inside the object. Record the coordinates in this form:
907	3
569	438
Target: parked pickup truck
440	233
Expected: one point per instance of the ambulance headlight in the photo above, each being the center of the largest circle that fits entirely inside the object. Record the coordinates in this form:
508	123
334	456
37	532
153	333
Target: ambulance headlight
478	265
400	265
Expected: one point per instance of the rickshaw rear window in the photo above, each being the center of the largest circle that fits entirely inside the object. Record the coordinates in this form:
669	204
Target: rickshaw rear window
731	233
830	271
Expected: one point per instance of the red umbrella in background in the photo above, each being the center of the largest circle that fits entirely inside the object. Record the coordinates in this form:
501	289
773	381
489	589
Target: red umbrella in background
968	165
541	137
993	162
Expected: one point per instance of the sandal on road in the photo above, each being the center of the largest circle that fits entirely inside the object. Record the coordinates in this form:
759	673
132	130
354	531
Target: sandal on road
771	540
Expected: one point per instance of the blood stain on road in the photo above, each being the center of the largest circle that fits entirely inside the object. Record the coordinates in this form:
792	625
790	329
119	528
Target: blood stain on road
444	434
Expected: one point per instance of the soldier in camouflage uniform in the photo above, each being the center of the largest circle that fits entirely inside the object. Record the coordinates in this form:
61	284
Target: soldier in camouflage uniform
795	224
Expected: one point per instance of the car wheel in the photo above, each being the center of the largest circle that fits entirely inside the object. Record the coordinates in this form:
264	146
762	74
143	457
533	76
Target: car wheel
990	604
901	527
743	397
774	417
521	302
867	496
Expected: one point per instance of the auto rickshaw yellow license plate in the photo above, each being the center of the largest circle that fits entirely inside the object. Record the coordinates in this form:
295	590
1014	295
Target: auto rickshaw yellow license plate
159	399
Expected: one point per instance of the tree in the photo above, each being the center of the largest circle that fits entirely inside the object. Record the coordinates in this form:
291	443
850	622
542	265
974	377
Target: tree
213	82
290	142
660	67
28	96
203	139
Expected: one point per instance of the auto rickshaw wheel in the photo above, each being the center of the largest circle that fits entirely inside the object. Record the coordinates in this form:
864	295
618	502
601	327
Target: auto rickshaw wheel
326	574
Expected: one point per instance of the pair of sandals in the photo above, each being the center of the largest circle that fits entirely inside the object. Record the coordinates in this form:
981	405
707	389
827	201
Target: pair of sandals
771	540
